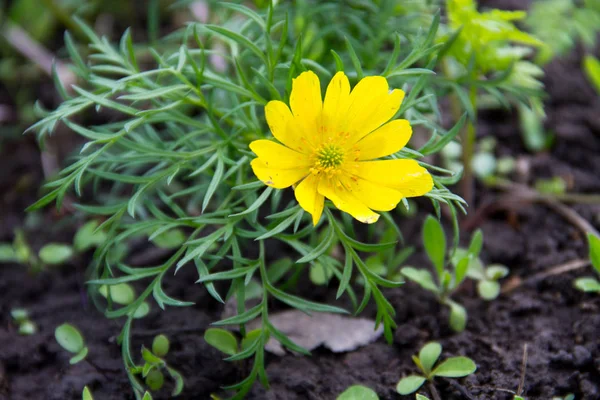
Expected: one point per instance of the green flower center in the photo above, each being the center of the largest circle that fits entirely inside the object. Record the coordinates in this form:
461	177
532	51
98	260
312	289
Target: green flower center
329	157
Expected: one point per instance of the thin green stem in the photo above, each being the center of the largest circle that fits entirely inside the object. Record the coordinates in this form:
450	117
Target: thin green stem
468	140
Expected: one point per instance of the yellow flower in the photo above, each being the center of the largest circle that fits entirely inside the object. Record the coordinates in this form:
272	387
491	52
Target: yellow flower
328	147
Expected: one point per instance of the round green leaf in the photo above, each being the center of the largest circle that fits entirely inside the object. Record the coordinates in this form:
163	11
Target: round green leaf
421	397
410	384
142	310
170	240
319	275
69	338
358	392
496	271
79	356
55	253
160	345
428	356
222	340
458	317
87	237
488	290
155	380
7	253
250	338
27	328
587	284
19	314
121	293
455	367
484	164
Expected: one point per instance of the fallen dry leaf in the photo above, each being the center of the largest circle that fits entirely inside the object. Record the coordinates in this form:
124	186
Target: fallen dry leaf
336	332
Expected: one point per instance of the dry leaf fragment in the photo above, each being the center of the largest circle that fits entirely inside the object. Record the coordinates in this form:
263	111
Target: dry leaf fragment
336	332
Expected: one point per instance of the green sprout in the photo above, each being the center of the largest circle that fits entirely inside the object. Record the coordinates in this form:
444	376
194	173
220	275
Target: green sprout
21	317
427	362
71	339
591	284
87	394
358	392
154	365
487	277
20	252
591	66
447	279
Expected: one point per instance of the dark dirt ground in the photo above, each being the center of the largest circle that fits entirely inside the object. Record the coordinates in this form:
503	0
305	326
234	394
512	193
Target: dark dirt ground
560	325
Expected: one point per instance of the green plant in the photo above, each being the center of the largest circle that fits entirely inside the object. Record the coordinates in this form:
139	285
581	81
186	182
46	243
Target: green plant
591	66
176	164
86	394
154	365
447	279
70	339
21	317
427	362
358	392
487	52
560	24
487	277
591	284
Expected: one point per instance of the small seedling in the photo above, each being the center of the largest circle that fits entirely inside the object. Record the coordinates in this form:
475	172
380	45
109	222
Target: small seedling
20	252
226	342
454	367
21	318
70	339
358	392
588	283
487	278
154	365
88	236
448	279
124	294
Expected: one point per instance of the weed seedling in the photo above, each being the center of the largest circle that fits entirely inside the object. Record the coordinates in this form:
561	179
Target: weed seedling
358	392
154	365
487	277
448	279
71	339
21	317
588	283
454	367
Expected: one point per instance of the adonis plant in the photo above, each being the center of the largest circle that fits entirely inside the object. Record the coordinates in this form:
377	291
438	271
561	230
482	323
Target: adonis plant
227	136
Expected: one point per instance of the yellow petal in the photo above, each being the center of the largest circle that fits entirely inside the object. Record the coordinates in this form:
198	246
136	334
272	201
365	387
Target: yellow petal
275	155
371	105
309	197
376	197
345	201
406	176
277	178
336	103
306	104
384	141
279	117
